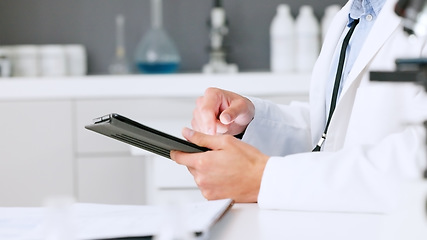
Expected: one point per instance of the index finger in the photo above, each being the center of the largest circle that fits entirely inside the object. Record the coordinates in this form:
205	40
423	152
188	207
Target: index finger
207	112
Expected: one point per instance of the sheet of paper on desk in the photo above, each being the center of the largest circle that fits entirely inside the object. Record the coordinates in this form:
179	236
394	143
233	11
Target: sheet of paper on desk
16	221
98	221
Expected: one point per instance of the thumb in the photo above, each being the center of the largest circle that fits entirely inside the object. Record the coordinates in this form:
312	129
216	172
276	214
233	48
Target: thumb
238	111
229	114
225	118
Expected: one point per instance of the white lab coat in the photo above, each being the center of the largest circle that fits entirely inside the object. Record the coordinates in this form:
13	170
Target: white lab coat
369	143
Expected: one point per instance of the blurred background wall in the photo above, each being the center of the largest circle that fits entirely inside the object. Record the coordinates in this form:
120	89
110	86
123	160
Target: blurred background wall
92	23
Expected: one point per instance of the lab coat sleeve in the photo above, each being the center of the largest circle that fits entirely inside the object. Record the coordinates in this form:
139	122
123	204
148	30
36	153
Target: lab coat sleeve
355	179
279	130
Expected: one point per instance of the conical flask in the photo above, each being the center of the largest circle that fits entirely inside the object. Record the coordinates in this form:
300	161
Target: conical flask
156	52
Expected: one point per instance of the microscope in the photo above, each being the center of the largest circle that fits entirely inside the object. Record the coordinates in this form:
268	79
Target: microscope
414	21
217	51
414	14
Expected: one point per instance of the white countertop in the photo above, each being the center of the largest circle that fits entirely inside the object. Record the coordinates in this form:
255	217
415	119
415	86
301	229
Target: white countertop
247	221
174	85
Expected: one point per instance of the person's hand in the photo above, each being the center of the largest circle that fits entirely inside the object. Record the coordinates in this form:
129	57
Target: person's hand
221	111
232	169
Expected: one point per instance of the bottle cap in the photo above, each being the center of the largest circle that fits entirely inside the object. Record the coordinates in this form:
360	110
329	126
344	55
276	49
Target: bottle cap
283	9
51	50
332	9
306	10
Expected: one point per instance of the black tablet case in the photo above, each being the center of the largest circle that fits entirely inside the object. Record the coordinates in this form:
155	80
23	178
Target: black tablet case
131	132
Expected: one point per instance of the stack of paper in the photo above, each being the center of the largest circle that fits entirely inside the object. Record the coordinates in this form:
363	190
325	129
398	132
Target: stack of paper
99	221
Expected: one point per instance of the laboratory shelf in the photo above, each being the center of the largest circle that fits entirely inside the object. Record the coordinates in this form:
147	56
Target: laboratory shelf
172	85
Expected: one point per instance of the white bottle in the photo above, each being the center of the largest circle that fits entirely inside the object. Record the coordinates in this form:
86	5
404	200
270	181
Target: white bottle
25	61
307	39
329	15
52	61
282	31
76	59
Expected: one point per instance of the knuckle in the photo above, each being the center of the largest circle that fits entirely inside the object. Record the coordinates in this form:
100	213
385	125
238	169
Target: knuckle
204	110
228	139
199	101
241	102
211	194
194	124
200	164
208	194
200	181
211	91
195	112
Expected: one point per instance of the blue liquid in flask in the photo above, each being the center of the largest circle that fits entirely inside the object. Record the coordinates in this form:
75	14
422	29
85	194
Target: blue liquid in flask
159	68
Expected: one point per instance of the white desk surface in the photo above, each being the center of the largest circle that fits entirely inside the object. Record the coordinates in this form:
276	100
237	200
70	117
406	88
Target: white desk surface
243	221
247	221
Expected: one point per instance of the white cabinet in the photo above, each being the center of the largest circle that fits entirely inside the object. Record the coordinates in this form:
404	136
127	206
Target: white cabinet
36	151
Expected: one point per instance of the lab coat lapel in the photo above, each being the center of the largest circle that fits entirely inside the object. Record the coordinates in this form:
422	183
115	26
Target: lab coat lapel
385	25
383	28
321	72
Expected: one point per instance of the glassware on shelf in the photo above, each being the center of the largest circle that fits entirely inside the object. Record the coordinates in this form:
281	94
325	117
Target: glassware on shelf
120	63
156	52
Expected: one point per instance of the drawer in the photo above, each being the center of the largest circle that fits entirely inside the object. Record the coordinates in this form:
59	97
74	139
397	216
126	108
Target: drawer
111	180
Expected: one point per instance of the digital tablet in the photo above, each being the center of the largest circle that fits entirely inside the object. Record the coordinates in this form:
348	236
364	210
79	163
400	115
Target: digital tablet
136	134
